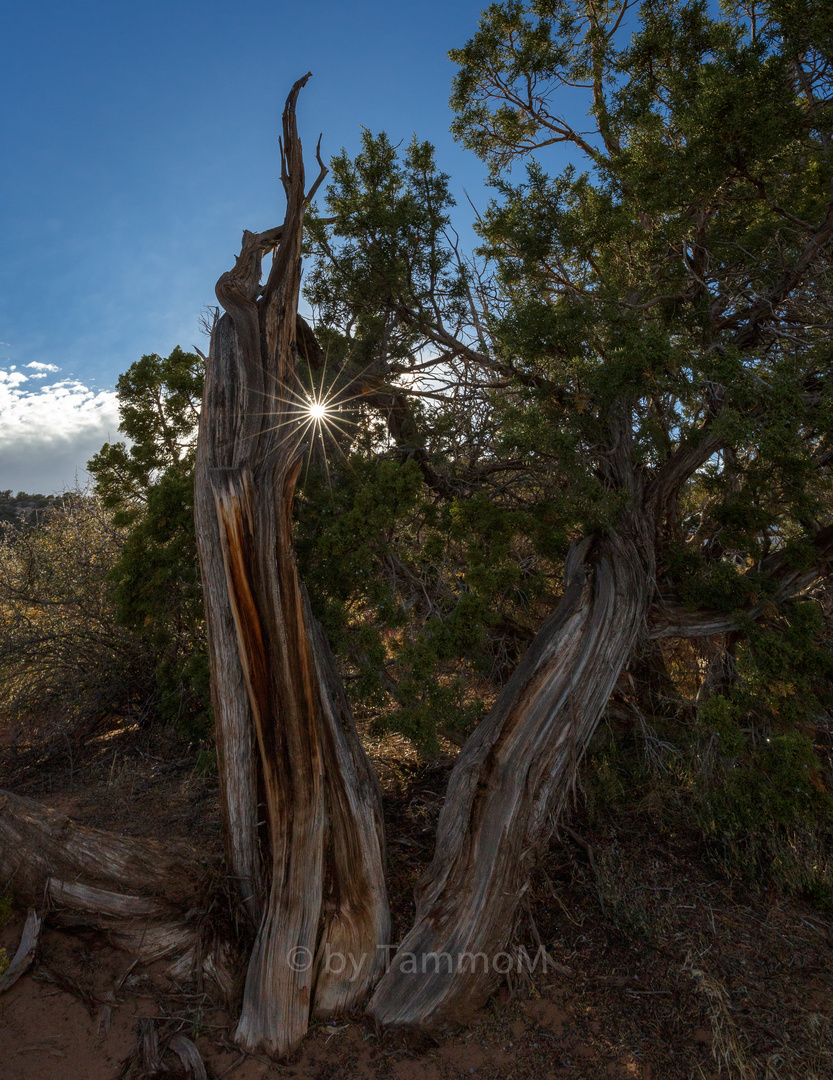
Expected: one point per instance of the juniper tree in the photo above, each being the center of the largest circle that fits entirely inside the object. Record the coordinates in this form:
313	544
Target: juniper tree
647	348
653	330
148	483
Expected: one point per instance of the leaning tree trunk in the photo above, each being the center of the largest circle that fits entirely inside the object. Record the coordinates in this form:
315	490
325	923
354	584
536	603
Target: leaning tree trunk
301	801
508	786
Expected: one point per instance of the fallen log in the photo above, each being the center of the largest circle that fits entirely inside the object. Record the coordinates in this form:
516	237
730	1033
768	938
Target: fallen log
148	898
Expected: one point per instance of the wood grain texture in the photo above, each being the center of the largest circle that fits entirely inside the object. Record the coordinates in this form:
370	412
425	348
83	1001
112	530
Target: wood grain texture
509	785
25	953
146	897
301	803
38	844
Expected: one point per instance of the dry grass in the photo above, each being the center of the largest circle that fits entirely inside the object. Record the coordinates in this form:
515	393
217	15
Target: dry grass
728	1046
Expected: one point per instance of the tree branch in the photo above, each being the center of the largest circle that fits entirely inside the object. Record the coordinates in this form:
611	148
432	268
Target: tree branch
668	618
756	316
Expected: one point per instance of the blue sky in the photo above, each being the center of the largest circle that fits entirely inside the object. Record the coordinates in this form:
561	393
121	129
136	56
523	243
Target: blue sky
138	141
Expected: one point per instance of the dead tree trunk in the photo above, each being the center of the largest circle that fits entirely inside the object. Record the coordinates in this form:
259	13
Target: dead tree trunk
301	802
148	898
508	786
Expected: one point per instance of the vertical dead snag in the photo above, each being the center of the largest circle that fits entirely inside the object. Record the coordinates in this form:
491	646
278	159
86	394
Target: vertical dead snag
301	802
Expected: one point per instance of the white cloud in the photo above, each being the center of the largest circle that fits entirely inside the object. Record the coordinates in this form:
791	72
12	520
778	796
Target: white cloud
11	378
42	367
48	434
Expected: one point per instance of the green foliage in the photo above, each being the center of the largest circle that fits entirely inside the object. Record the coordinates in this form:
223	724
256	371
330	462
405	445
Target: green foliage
393	218
158	594
775	787
768	804
409	592
658	299
662	298
619	279
345	529
21	510
770	819
149	484
750	773
784	672
159	402
206	761
764	817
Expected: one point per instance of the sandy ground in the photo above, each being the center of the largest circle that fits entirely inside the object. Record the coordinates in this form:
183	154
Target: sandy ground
666	970
49	1033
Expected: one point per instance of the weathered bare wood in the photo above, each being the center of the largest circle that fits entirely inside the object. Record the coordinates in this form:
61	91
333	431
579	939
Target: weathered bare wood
355	917
189	1057
309	855
279	988
508	786
143	895
214	959
148	1058
37	844
78	897
25	954
147	1039
233	725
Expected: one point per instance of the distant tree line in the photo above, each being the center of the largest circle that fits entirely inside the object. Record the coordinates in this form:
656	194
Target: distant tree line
24	509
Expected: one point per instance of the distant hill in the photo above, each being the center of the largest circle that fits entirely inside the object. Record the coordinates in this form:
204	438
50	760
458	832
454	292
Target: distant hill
23	509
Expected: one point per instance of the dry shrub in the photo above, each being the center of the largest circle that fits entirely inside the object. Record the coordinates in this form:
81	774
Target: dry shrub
66	665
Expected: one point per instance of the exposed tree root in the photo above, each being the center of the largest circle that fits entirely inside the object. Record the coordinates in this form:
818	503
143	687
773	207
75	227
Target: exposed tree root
147	898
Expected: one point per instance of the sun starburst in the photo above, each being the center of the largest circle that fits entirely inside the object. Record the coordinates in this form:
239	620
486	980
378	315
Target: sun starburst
314	416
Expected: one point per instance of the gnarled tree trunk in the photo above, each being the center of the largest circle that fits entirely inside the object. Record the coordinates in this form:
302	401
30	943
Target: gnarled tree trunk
302	804
514	774
509	784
